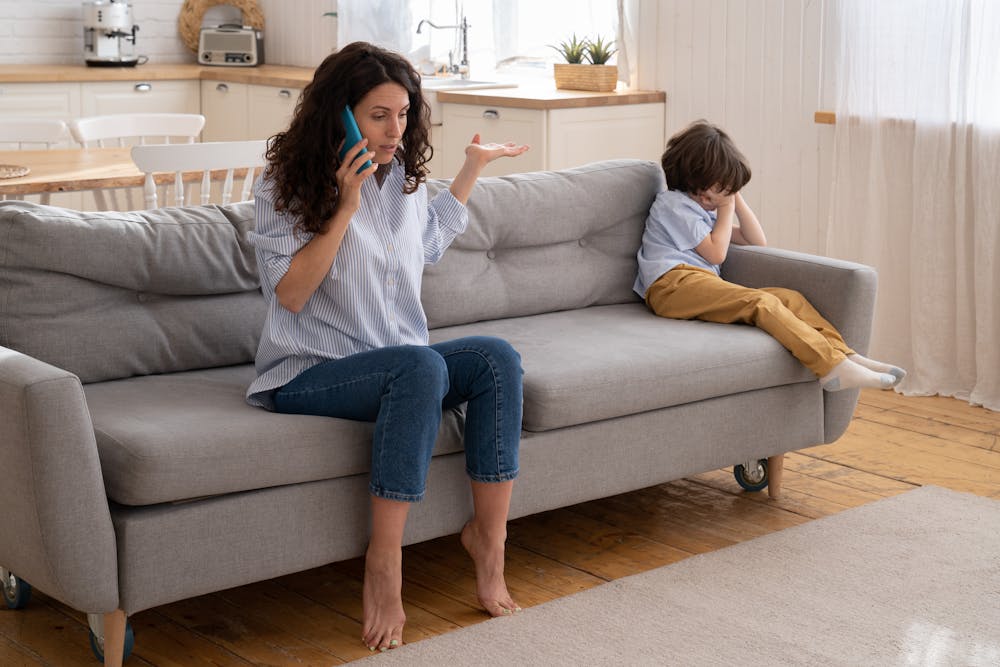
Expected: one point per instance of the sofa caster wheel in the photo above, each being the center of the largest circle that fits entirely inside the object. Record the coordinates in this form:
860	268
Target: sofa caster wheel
16	591
752	475
96	622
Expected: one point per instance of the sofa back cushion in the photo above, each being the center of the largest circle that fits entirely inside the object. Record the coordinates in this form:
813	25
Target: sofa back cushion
543	242
109	295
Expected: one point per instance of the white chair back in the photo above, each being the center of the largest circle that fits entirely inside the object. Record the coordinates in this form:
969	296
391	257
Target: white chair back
32	134
128	129
206	158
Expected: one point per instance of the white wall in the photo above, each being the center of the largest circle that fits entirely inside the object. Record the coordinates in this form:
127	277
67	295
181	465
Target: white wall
296	32
754	68
51	31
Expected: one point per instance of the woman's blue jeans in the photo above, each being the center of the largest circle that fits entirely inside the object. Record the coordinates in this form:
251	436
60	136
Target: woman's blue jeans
404	389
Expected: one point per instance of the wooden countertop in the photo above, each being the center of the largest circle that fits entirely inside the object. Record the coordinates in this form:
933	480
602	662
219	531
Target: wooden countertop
268	75
547	96
525	96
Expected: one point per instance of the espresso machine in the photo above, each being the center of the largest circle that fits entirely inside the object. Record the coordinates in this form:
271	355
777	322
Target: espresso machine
109	34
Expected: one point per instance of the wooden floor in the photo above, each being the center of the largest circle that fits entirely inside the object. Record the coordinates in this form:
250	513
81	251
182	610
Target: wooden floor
312	618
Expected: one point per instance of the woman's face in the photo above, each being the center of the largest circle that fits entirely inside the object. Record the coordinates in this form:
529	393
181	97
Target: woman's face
381	116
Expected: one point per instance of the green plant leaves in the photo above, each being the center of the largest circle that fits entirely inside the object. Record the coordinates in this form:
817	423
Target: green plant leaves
596	51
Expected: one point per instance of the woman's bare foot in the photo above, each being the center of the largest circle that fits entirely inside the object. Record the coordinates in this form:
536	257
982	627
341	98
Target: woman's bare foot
487	552
382	600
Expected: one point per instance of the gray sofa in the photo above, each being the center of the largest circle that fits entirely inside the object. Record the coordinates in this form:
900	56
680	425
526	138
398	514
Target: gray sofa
136	475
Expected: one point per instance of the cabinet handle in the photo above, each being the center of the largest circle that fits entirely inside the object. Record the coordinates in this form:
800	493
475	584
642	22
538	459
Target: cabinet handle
284	93
491	114
143	87
222	88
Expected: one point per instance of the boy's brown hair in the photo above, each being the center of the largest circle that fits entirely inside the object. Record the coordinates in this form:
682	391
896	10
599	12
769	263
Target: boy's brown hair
701	156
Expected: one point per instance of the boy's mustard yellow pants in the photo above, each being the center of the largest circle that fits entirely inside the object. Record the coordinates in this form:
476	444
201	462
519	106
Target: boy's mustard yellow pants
692	293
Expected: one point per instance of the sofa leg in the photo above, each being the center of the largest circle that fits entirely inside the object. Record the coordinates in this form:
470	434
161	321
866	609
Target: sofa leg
775	470
114	638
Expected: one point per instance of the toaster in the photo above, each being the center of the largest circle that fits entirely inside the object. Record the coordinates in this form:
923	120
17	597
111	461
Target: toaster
231	45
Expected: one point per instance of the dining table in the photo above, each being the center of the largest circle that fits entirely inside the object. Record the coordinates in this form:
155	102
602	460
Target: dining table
78	169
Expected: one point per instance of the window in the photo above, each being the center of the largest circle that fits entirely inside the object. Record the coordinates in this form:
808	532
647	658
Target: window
505	36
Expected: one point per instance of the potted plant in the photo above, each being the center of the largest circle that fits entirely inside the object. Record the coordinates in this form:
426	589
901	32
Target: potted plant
586	65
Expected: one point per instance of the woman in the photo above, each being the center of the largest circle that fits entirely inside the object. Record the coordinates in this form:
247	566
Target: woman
340	250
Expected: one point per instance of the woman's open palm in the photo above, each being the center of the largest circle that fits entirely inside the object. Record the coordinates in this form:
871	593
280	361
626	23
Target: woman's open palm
491	151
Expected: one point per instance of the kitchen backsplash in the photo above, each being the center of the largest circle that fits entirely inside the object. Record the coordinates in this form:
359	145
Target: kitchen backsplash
51	31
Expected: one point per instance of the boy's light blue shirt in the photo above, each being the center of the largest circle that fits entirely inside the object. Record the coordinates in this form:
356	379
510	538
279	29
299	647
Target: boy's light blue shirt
675	226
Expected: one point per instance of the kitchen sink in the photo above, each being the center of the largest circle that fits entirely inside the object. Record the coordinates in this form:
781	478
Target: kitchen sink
447	83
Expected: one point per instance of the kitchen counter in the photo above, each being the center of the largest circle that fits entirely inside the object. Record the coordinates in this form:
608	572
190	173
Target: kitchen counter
535	95
547	96
267	75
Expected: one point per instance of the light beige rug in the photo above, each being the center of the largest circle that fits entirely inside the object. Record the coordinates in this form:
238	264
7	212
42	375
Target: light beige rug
909	580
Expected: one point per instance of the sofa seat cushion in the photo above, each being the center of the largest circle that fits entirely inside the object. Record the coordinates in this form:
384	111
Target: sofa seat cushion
164	438
610	361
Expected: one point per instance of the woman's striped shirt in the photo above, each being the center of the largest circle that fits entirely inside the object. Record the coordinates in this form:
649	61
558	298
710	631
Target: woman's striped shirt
371	297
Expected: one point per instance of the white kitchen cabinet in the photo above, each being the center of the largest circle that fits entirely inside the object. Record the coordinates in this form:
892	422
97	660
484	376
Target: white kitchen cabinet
500	124
239	111
109	97
224	106
559	138
40	100
579	136
436	139
270	110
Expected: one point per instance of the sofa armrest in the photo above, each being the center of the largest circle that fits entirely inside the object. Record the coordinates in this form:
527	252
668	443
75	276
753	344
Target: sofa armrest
57	532
843	292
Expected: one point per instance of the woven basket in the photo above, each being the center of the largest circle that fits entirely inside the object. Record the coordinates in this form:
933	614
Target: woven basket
600	78
189	20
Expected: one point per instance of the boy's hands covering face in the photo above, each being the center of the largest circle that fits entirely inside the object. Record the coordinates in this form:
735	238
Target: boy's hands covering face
715	198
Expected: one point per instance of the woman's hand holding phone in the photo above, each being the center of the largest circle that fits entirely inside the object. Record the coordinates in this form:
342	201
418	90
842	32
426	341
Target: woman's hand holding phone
352	136
353	170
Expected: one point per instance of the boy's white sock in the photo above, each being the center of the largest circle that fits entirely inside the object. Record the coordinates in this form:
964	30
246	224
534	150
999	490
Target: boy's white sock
878	366
849	375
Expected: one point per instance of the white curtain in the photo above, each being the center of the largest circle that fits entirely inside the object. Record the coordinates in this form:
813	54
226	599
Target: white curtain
627	41
916	189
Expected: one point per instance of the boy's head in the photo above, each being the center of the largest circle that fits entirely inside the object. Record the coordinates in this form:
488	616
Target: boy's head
702	157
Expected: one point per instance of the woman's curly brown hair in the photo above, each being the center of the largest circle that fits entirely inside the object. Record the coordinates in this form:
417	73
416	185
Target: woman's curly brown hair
702	156
303	160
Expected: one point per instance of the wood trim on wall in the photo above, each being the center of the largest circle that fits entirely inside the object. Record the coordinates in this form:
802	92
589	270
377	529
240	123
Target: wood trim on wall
825	118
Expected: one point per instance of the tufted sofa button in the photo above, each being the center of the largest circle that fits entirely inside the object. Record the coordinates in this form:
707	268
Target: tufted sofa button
491	254
142	298
583	243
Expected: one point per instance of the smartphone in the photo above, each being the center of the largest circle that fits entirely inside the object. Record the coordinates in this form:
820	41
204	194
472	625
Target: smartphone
353	136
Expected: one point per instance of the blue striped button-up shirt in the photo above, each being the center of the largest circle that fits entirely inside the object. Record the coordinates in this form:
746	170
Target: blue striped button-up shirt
371	297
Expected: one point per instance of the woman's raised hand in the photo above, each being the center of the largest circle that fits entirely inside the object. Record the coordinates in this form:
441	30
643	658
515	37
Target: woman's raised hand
486	153
350	176
477	156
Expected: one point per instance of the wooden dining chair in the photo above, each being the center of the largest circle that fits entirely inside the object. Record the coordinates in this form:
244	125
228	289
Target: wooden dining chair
29	134
122	130
216	156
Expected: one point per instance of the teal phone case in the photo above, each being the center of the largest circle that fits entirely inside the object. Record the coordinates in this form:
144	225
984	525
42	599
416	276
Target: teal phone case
353	136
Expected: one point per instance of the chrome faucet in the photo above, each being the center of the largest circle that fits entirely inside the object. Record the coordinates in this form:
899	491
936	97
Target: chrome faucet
462	68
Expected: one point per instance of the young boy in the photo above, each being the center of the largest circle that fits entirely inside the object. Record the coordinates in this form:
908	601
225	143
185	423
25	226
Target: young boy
687	237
